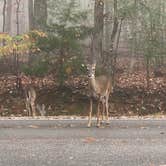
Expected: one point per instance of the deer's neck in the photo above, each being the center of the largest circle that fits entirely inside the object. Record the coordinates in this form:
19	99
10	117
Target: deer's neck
92	82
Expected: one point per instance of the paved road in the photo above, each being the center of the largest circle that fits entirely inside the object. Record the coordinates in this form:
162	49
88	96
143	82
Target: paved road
70	143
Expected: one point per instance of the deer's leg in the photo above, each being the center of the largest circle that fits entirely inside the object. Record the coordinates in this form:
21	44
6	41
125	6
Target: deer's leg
107	110
33	109
98	114
103	111
28	107
90	113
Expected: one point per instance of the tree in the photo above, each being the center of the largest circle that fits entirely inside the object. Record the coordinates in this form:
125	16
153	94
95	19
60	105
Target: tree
8	16
65	30
31	14
111	51
97	35
40	14
4	15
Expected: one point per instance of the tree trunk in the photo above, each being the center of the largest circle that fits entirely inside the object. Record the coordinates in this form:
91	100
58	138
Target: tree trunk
116	52
134	37
16	56
107	24
148	72
4	15
31	14
17	16
111	54
40	14
8	16
97	38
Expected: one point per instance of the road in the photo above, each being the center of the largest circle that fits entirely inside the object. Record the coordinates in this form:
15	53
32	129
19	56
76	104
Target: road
70	143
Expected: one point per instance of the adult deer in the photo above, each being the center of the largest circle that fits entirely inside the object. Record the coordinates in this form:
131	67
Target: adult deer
100	87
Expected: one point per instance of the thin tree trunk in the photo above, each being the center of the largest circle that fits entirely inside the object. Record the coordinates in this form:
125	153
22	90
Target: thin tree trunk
107	25
134	36
8	16
40	14
18	79
116	52
113	39
17	16
31	14
148	72
97	39
4	15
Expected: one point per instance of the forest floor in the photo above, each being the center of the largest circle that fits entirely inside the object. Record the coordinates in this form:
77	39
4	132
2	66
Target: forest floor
130	98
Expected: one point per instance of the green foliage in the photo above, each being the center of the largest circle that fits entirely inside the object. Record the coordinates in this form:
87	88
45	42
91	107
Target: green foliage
66	28
148	30
20	43
37	68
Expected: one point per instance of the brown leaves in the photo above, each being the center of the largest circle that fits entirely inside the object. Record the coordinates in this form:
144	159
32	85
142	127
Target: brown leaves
89	140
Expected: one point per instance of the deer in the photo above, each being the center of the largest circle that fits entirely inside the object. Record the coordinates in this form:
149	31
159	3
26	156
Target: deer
30	98
100	87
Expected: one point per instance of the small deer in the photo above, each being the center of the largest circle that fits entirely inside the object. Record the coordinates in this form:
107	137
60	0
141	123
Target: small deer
30	98
100	87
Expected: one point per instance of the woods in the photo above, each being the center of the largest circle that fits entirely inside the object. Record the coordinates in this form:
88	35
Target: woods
48	44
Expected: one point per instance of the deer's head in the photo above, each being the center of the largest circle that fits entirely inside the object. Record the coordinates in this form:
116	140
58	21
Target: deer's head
91	70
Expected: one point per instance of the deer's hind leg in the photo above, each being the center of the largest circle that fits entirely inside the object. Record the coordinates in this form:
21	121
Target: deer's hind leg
90	113
107	110
98	114
103	111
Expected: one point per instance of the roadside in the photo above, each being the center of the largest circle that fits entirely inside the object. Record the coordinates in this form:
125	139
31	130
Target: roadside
71	143
130	97
77	118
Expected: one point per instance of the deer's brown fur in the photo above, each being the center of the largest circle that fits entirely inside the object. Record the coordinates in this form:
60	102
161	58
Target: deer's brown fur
100	87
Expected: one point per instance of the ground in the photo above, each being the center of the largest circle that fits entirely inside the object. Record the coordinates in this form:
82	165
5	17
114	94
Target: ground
71	143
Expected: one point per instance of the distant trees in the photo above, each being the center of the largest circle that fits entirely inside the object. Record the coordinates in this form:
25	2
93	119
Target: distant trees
142	24
65	29
139	24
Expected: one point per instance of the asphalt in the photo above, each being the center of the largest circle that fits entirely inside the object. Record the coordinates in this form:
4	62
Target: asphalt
71	143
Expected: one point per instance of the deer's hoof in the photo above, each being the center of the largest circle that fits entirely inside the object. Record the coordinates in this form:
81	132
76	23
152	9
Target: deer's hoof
107	122
102	122
98	126
89	125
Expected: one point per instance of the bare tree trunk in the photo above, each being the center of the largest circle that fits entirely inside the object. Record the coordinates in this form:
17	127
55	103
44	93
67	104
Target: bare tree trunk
148	72
115	25
4	15
107	24
18	79
17	16
8	16
31	14
112	54
134	37
40	14
97	38
116	52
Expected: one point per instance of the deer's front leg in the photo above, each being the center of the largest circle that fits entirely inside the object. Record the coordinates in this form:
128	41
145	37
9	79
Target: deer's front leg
103	111
98	114
107	111
90	113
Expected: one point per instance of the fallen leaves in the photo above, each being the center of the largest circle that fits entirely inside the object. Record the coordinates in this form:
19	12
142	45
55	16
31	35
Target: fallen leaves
89	140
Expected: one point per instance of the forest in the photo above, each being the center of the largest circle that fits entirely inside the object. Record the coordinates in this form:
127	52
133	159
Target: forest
51	49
